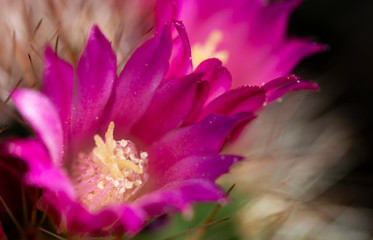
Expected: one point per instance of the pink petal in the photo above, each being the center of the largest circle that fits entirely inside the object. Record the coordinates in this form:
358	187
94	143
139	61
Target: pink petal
58	86
244	99
208	167
70	213
161	116
216	75
278	87
96	74
270	23
181	60
293	51
37	109
204	137
41	171
178	196
201	96
165	11
139	80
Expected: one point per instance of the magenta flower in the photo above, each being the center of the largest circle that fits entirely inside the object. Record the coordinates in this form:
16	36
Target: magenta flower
112	152
248	36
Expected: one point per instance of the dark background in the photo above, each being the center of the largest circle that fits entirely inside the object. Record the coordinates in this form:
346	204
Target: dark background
345	74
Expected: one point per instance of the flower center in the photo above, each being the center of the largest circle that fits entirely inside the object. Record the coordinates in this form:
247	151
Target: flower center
111	173
200	52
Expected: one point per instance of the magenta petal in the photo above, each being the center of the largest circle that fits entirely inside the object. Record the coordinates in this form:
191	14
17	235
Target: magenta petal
165	11
140	78
58	86
41	171
37	109
244	99
216	75
294	51
178	196
77	219
278	87
181	60
270	25
201	96
96	75
206	136
208	167
161	116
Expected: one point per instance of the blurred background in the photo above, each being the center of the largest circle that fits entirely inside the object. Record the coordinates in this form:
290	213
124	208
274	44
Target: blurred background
345	75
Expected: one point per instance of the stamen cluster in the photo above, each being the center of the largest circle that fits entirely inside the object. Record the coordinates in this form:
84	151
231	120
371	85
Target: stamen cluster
111	173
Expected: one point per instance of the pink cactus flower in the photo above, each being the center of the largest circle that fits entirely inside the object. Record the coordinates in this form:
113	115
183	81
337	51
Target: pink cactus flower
111	152
248	36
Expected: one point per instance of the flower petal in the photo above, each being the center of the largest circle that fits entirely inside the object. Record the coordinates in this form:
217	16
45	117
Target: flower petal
293	52
58	86
178	196
216	75
37	109
161	116
244	99
181	60
41	171
206	136
165	11
199	102
71	214
140	78
96	74
208	167
278	87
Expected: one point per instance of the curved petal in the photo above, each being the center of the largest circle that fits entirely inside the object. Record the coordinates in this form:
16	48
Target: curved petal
41	171
278	87
139	80
244	99
165	11
96	74
161	116
37	109
58	86
216	75
178	196
209	167
75	218
199	101
206	136
293	51
269	25
181	60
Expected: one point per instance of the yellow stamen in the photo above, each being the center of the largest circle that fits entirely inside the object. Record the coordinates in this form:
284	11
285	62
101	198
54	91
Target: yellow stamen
112	173
104	151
